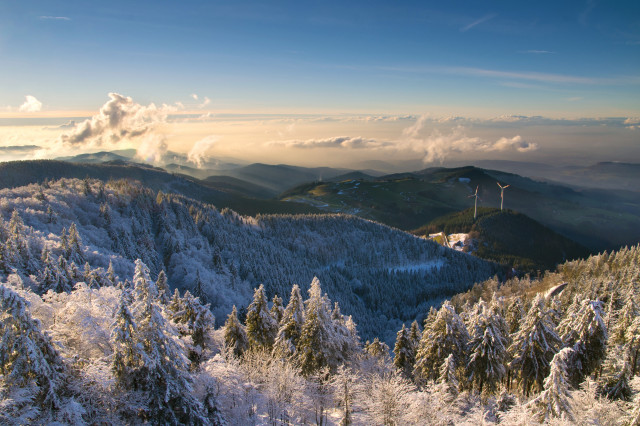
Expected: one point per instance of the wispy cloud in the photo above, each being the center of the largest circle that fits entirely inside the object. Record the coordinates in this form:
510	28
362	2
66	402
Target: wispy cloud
537	52
54	18
31	104
197	154
478	22
335	142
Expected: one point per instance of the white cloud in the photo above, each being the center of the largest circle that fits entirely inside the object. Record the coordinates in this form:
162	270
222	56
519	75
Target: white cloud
122	120
55	18
30	105
335	142
437	146
198	152
478	22
194	96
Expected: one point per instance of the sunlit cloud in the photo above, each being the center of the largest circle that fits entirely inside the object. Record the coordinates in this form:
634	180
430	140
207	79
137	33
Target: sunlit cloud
335	142
31	104
439	145
122	120
197	154
478	22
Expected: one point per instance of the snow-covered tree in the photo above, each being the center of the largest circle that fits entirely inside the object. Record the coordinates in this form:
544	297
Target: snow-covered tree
277	310
447	381
488	350
586	334
317	344
404	352
533	346
32	373
445	336
555	399
162	285
290	325
261	326
235	336
614	380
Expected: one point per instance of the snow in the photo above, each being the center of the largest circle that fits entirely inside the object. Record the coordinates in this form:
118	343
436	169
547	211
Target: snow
418	267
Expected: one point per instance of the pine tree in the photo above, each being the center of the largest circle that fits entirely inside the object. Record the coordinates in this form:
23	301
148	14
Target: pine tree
127	356
377	349
533	346
111	275
555	399
625	318
261	326
613	382
488	350
447	380
28	359
316	346
404	352
277	310
199	291
235	336
447	335
163	288
587	336
162	374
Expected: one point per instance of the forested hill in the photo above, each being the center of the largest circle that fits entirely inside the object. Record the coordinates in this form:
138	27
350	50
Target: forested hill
61	232
19	173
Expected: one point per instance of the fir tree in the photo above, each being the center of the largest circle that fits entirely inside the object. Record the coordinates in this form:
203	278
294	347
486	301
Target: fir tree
587	336
555	399
447	380
316	346
613	382
447	335
235	336
277	310
488	350
404	352
163	288
261	326
199	291
533	346
28	359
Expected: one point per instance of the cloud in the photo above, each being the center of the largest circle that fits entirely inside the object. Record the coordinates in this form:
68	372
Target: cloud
30	105
478	22
206	102
335	142
537	52
122	120
437	146
197	153
54	18
194	96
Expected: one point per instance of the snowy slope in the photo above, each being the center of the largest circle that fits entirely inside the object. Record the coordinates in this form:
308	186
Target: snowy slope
380	275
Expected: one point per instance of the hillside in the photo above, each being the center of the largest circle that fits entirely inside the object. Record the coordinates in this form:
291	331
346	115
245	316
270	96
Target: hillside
370	269
509	238
597	219
19	173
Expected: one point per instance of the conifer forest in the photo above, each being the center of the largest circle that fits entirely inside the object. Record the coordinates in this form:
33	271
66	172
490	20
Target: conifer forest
123	305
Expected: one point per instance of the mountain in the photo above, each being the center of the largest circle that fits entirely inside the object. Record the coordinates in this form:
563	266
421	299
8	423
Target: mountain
378	274
19	173
281	177
96	157
509	238
239	186
597	219
610	175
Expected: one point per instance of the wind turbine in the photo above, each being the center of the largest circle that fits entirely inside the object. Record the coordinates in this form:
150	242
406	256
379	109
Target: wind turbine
502	188
475	208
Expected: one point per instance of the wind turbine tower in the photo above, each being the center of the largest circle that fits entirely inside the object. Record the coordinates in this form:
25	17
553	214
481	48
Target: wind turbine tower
502	188
475	208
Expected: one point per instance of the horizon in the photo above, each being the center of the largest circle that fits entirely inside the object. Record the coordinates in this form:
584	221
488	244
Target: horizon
333	84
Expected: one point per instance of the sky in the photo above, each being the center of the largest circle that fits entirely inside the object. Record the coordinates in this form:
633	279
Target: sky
322	83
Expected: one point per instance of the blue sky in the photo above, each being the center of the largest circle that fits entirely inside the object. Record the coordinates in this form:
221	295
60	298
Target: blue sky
567	58
478	60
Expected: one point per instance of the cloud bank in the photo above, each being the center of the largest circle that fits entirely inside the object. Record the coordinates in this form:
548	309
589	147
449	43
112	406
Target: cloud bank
335	142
